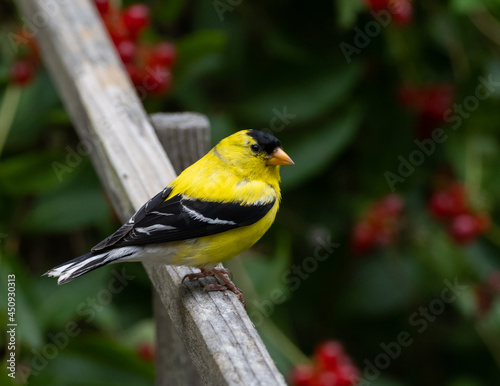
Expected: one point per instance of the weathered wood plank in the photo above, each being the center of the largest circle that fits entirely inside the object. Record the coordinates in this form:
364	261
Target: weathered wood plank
174	365
219	336
185	137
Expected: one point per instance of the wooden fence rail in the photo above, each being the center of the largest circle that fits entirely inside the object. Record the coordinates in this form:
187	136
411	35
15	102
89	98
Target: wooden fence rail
204	337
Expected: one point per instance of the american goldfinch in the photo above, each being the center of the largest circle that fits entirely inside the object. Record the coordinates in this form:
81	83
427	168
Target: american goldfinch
215	209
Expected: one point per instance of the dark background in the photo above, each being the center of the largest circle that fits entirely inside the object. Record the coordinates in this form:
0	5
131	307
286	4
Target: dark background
349	119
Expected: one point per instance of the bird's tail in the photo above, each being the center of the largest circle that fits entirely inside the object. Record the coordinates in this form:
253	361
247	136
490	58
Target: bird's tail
92	260
79	266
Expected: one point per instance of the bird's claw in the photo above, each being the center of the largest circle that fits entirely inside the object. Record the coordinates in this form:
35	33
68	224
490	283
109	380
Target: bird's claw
215	287
197	275
225	271
224	275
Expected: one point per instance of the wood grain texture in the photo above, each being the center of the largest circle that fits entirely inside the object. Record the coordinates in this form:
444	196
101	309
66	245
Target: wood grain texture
174	364
185	137
220	338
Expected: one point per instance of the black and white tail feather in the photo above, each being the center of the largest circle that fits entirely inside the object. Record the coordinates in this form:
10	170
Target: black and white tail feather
88	262
163	219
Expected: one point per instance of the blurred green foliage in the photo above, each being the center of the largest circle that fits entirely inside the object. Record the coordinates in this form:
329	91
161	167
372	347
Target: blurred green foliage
275	65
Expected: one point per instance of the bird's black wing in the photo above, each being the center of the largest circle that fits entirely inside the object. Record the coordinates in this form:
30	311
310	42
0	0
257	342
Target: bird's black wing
181	218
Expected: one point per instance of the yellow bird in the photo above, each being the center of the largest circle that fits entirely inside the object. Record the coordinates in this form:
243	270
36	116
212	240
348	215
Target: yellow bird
215	209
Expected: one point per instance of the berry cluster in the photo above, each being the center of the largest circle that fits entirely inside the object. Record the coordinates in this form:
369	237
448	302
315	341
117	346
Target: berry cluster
149	66
331	367
431	104
450	205
401	10
23	69
379	226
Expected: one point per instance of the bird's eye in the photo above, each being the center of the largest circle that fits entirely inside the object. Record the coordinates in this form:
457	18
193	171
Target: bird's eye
255	148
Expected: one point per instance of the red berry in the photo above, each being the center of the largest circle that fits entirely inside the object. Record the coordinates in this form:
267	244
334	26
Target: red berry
329	355
22	72
440	204
380	225
391	205
325	378
158	81
116	28
348	375
164	54
363	237
449	202
388	208
127	50
117	37
28	47
102	6
402	11
34	51
146	352
431	102
437	100
377	5
135	73
301	375
463	228
136	18
426	124
483	222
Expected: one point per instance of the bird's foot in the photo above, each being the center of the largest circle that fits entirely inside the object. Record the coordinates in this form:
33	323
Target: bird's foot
223	274
197	275
223	270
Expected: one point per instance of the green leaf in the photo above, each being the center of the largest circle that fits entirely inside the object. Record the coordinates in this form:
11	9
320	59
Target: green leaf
466	381
188	91
73	301
348	12
37	100
470	6
313	153
266	272
29	173
143	331
168	11
305	100
195	47
221	126
384	381
279	45
28	330
382	285
97	361
67	210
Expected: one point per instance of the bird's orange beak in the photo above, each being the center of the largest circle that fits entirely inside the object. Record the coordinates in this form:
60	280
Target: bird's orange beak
279	157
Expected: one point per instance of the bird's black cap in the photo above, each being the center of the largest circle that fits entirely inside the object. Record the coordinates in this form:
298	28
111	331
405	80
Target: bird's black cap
265	140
